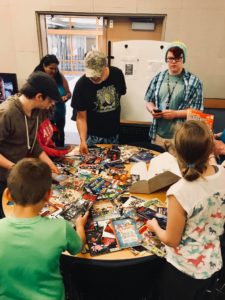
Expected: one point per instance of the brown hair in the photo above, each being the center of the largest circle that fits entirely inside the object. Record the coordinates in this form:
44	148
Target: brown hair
177	52
193	143
28	181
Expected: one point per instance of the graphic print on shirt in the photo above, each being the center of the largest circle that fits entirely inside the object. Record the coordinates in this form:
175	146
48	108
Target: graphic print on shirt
199	250
107	99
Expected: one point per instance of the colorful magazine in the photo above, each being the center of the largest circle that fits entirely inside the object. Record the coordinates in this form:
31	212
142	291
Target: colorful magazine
194	114
126	233
142	155
75	209
104	210
151	242
148	213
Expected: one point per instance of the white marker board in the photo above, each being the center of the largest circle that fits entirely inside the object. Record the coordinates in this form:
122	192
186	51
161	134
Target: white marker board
140	61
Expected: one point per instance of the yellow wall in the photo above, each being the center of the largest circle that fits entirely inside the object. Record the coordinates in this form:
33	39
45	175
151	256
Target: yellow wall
200	24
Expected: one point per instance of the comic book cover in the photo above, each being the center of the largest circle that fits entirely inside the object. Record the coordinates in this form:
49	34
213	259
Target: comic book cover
75	209
108	231
156	205
134	202
112	192
95	244
148	213
92	226
97	186
51	209
127	233
104	210
100	245
142	155
126	151
69	195
151	242
194	114
89	197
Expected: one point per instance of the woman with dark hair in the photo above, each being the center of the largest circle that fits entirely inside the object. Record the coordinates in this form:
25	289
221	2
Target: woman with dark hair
49	64
171	93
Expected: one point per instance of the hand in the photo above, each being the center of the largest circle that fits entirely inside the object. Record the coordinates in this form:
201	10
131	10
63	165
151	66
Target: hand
64	98
156	115
217	135
219	148
169	114
152	224
54	169
83	148
82	220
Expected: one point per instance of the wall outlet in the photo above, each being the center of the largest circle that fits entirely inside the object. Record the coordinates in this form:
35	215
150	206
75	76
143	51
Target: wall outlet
110	23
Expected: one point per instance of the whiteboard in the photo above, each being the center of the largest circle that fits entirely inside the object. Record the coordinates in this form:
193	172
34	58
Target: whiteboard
140	61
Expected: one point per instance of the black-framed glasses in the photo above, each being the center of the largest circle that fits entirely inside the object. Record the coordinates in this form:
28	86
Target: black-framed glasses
174	59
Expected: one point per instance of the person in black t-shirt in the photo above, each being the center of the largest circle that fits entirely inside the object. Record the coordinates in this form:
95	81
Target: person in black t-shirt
96	99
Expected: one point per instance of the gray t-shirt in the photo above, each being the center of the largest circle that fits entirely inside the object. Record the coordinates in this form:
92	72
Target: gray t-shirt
176	91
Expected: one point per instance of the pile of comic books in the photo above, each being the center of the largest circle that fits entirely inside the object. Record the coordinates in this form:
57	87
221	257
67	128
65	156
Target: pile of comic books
99	183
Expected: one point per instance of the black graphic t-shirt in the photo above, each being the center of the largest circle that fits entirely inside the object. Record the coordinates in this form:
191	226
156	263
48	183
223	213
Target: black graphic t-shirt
101	101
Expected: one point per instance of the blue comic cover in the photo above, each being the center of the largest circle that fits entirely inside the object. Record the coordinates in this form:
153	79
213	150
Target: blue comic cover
127	233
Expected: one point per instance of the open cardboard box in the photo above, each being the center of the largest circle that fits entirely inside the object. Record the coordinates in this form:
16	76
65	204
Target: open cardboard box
162	172
154	184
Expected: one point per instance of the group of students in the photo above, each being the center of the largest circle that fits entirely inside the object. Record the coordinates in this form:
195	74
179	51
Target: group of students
31	245
30	254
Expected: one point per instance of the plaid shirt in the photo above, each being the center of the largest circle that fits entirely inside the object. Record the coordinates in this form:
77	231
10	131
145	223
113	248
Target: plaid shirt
193	95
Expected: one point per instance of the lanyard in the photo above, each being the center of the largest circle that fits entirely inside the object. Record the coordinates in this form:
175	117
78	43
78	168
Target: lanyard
170	91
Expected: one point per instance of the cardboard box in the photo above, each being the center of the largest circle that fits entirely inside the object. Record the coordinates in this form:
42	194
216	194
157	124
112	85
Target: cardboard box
162	172
155	183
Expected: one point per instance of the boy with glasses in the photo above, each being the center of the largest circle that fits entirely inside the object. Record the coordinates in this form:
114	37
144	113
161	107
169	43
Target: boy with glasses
171	93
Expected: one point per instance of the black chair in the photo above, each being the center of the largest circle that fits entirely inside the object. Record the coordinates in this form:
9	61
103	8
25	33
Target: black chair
92	279
217	290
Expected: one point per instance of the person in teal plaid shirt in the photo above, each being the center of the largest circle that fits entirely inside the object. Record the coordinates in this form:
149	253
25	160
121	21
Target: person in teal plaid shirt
171	93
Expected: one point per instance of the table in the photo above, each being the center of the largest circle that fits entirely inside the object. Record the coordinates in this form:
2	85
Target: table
118	255
116	274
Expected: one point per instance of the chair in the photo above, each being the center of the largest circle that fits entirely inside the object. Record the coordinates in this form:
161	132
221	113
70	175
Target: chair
90	279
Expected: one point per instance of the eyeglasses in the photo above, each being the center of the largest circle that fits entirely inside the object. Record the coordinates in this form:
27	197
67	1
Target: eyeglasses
174	59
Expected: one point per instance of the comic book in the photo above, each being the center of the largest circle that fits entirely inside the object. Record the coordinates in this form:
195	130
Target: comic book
151	242
142	155
148	214
194	114
104	210
98	243
134	202
97	186
51	209
75	209
69	195
126	233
